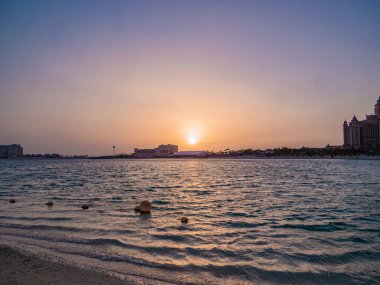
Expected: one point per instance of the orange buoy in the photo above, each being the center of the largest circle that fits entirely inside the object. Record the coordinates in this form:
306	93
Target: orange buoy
85	206
184	220
50	203
145	206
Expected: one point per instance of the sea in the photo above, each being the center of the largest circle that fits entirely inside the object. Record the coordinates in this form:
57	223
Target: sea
250	221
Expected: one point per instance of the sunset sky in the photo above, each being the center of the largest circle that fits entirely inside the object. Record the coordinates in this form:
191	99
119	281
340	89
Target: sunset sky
77	77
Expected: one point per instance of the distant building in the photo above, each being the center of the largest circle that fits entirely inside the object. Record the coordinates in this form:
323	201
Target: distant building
3	151
11	151
144	152
166	150
161	151
363	133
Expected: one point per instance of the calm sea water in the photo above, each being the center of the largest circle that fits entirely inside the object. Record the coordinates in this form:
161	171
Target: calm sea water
250	221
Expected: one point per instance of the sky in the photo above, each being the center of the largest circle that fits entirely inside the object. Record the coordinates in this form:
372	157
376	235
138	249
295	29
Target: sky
78	77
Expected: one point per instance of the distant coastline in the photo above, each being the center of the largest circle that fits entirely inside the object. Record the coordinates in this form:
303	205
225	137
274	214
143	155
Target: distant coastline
328	152
315	157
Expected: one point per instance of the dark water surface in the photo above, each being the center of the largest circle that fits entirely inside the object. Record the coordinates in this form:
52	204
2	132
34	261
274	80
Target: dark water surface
250	221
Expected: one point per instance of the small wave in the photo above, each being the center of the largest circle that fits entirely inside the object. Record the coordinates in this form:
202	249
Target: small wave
368	219
231	224
173	251
329	227
58	198
175	238
241	214
353	239
167	187
106	241
161	202
370	230
36	218
297	218
49	238
118	258
164	250
117	198
324	258
142	261
52	228
254	274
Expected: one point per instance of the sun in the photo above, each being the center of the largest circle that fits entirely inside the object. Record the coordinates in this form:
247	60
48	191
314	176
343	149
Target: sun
192	139
192	134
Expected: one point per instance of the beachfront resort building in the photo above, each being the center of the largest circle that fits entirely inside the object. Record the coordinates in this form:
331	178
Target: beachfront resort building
11	151
363	133
164	150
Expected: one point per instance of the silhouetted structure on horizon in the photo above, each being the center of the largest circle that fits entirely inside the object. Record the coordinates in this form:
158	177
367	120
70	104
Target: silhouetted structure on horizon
164	150
11	151
363	133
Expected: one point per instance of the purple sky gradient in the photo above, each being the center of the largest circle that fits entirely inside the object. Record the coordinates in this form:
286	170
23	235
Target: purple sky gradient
81	76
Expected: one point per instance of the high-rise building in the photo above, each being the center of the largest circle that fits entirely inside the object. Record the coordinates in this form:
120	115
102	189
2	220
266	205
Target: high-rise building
363	133
11	151
3	151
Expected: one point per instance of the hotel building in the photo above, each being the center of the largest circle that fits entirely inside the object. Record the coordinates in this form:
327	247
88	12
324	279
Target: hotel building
164	150
363	133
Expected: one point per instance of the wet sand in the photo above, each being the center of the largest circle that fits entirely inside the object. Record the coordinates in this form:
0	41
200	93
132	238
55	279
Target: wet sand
19	268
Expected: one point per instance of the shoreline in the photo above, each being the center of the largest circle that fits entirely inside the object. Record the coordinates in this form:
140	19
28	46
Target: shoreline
28	264
19	267
22	267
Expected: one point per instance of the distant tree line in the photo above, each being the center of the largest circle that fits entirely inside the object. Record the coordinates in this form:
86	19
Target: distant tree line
328	151
54	155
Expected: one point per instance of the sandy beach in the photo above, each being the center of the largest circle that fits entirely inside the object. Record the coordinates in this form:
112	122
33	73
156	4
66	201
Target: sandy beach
20	268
